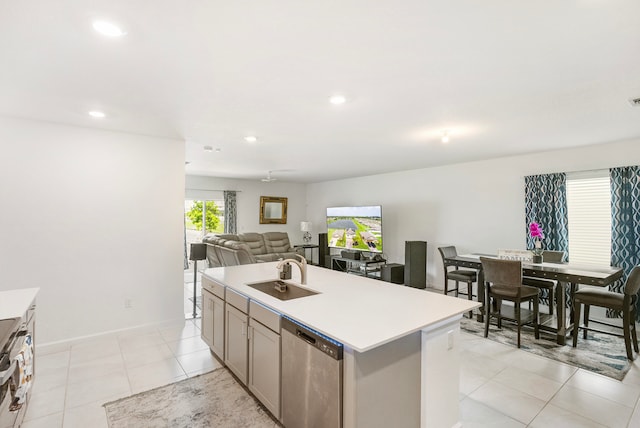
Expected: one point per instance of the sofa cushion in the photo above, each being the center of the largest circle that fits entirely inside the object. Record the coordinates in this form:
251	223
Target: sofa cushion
214	242
212	238
254	241
277	242
213	258
241	250
266	257
287	255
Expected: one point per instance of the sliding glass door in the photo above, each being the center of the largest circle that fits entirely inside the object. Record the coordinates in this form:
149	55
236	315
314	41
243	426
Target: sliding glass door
200	218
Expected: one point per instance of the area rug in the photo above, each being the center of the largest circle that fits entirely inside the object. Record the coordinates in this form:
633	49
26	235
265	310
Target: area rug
214	399
600	353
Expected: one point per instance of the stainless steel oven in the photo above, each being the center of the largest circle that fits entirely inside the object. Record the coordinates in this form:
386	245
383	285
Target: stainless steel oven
16	336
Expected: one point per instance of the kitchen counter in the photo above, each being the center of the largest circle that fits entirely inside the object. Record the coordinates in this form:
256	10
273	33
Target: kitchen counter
361	313
14	303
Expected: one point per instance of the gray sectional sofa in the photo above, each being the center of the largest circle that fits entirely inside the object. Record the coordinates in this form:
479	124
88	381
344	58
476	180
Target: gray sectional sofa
246	248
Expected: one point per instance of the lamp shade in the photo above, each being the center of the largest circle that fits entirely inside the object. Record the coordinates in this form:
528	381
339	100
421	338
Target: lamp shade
198	251
305	226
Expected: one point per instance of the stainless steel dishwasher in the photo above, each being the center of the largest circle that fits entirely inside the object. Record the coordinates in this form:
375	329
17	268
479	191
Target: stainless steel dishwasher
311	378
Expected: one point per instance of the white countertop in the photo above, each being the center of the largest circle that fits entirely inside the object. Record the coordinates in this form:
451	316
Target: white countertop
361	313
14	303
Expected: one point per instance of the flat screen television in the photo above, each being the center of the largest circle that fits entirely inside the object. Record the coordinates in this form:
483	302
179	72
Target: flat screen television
355	228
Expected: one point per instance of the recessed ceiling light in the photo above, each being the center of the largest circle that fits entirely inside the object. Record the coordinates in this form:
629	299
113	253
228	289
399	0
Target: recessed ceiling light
208	148
337	99
97	114
445	136
251	138
108	29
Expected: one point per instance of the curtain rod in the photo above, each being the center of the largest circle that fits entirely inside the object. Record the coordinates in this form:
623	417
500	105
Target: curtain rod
606	168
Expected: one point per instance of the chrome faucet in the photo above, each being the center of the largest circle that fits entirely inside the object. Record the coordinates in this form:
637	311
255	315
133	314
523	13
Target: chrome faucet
302	265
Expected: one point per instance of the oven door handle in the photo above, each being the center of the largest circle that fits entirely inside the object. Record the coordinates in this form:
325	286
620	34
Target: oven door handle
6	375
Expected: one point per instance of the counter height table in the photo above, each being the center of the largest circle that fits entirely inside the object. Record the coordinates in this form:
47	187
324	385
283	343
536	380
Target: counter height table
564	273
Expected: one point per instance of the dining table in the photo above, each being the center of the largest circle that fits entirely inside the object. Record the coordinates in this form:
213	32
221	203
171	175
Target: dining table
569	277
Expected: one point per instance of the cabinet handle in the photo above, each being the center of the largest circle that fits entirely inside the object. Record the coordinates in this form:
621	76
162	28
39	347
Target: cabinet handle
244	328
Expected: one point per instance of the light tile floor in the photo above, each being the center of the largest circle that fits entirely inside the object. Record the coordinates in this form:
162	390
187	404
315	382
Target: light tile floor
500	386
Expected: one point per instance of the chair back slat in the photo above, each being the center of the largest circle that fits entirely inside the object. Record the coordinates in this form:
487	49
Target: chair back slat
632	286
502	272
449	251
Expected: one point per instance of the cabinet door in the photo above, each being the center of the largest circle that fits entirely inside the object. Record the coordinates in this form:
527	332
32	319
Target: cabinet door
218	327
207	317
264	366
235	349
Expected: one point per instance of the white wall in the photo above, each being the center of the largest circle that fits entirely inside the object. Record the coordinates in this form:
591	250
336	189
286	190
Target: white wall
92	218
248	202
478	206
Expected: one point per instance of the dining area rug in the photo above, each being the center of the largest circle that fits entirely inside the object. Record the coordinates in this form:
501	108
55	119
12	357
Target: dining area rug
599	353
213	399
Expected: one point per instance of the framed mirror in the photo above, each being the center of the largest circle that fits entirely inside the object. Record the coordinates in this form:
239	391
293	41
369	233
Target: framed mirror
273	210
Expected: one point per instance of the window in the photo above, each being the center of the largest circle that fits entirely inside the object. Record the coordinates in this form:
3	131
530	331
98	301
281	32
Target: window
589	211
202	217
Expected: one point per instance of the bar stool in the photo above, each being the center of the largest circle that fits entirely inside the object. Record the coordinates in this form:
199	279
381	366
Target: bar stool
625	303
503	279
457	275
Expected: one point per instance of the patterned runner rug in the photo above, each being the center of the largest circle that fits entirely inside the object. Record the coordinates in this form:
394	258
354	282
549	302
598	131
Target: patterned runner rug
600	353
214	399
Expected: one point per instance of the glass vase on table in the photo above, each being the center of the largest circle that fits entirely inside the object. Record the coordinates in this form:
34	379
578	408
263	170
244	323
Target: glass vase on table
537	252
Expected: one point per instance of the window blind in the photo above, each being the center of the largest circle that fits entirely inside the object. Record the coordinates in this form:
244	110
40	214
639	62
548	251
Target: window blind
589	212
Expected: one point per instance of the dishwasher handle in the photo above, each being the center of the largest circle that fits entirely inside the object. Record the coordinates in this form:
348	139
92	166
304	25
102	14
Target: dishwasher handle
302	335
313	338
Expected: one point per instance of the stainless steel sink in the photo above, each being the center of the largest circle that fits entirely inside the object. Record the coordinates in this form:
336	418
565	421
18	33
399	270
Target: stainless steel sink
281	290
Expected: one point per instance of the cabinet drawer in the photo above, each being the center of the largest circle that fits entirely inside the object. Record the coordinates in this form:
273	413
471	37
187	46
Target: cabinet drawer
266	316
213	287
239	301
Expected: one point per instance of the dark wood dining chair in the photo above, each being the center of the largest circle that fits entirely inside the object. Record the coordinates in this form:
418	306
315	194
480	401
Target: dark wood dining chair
458	275
546	284
503	281
625	303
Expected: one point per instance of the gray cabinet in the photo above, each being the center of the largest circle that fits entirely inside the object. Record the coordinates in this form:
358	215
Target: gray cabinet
246	336
264	357
212	331
217	345
207	318
236	328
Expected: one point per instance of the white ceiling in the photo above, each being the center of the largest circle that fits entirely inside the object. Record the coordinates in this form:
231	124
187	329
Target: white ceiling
505	77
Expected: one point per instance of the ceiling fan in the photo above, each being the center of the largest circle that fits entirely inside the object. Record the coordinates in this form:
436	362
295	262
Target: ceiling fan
268	178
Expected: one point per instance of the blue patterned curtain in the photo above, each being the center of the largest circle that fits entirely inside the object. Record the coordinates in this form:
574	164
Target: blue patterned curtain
546	204
230	213
625	221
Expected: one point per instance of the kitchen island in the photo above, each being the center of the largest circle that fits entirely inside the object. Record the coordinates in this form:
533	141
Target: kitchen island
401	345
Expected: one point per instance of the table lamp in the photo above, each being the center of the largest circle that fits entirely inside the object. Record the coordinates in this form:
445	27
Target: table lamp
305	226
198	252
